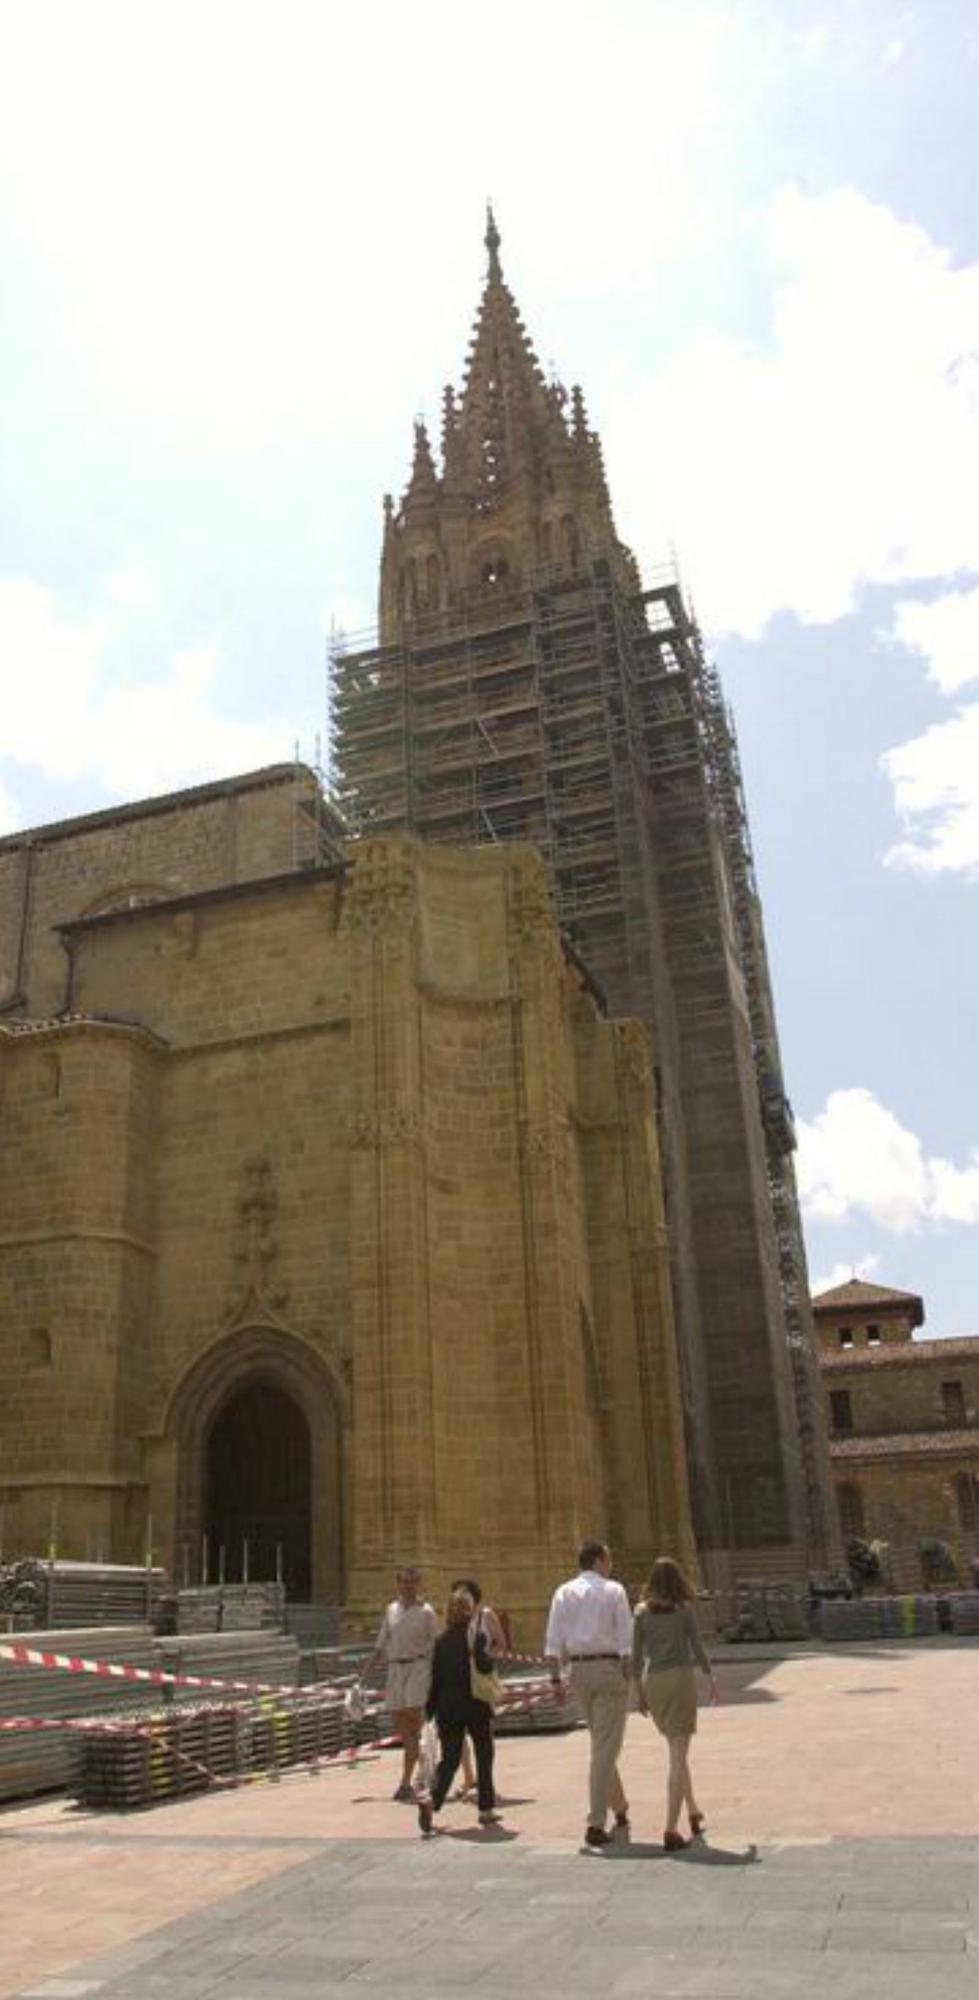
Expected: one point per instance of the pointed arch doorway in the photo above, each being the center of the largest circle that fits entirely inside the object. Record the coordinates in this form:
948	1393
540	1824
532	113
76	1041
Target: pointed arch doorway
258	1488
274	1460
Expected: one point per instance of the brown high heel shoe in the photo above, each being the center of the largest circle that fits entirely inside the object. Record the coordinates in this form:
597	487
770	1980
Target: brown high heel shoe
674	1843
698	1821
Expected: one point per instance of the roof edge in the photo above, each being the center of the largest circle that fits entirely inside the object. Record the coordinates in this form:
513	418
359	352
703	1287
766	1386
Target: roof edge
266	776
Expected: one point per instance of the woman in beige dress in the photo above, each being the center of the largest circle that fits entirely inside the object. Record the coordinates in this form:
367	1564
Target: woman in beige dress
666	1644
405	1642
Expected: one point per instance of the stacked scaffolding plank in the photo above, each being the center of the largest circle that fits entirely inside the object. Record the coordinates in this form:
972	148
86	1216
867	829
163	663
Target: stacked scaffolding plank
170	1754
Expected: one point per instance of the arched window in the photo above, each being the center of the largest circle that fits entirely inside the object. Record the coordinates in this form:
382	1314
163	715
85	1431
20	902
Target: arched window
849	1499
967	1499
131	896
432	583
547	543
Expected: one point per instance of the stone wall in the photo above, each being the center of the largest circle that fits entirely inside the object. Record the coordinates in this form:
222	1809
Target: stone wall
232	832
900	1467
368	1139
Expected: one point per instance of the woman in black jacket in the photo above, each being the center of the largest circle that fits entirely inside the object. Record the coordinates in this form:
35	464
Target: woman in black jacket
457	1712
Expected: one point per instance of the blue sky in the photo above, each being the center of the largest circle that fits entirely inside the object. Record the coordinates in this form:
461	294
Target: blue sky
242	249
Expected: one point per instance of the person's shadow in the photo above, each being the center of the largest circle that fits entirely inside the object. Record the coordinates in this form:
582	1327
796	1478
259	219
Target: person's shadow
697	1855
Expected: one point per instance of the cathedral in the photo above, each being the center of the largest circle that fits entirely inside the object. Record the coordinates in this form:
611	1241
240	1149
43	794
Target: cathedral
406	1174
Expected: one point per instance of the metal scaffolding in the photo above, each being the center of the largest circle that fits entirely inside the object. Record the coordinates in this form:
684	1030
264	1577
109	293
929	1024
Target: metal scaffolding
583	716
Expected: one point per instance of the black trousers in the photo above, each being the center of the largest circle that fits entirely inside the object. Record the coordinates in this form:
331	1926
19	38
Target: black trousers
452	1736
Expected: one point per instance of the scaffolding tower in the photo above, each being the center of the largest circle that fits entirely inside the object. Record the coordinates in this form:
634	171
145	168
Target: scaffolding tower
583	716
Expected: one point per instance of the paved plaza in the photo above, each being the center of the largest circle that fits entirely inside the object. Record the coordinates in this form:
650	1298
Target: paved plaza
842	1792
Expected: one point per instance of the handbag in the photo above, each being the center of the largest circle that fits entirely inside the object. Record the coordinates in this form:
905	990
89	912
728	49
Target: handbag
484	1682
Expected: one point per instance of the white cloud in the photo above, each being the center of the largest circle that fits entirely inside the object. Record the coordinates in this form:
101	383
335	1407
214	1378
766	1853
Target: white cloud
288	255
840	452
946	634
856	1157
76	708
841	1274
936	791
10	813
131	586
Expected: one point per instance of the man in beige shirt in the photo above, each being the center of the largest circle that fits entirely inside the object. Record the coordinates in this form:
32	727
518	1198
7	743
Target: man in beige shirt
590	1628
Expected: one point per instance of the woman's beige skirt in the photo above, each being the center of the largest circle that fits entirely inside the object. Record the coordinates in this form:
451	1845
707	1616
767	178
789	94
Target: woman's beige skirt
671	1695
408	1683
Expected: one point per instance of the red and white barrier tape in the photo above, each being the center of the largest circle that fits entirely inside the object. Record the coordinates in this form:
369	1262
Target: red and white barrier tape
117	1670
33	1656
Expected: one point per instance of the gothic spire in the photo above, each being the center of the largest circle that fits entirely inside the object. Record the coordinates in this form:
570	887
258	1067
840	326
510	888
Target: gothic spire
422	487
506	411
492	241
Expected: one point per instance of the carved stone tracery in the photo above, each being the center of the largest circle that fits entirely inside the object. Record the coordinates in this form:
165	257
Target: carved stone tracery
259	1296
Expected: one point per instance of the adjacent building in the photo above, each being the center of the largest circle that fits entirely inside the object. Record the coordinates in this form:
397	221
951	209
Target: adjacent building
903	1420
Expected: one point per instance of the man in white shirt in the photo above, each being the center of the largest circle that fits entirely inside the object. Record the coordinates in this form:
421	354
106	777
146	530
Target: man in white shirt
590	1627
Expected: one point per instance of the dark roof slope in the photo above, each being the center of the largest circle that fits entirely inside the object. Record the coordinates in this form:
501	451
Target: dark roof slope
193	795
859	1296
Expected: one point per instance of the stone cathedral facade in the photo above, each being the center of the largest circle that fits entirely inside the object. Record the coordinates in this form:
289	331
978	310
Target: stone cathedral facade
330	1210
411	1178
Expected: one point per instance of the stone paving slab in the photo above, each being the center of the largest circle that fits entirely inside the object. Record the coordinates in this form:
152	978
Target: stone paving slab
833	1863
434	1917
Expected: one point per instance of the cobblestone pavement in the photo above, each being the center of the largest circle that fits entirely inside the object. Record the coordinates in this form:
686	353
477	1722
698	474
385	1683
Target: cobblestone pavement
325	1887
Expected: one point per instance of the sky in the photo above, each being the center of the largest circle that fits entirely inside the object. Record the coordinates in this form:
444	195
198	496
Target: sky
241	248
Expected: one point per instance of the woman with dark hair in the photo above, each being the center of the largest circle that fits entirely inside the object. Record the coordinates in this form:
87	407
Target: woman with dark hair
486	1620
666	1643
457	1712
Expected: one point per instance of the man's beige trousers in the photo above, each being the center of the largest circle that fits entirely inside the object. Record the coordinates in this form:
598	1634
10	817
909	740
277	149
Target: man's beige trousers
602	1693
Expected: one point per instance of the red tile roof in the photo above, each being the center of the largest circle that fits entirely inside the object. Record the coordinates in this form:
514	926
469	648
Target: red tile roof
859	1296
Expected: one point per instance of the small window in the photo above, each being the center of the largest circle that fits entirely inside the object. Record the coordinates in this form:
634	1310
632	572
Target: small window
850	1502
953	1403
841	1409
873	1336
967	1495
846	1336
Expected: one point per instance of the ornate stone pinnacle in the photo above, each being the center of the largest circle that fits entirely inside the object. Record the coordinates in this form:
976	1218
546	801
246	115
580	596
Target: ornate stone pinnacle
492	241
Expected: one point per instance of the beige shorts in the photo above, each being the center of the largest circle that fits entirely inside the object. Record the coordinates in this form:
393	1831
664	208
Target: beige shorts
408	1683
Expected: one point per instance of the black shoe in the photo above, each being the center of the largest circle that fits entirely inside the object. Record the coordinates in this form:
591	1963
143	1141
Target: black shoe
596	1836
622	1824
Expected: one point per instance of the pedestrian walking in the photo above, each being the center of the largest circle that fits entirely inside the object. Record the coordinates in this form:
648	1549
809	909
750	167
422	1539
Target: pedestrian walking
405	1642
458	1712
486	1620
666	1645
590	1629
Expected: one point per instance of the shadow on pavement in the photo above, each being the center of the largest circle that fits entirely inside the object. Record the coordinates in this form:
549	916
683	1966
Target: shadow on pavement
697	1856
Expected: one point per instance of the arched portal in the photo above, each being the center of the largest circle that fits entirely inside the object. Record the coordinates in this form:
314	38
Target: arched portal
258	1488
219	1441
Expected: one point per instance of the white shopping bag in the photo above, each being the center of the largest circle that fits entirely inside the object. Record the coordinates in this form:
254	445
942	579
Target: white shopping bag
428	1756
355	1703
